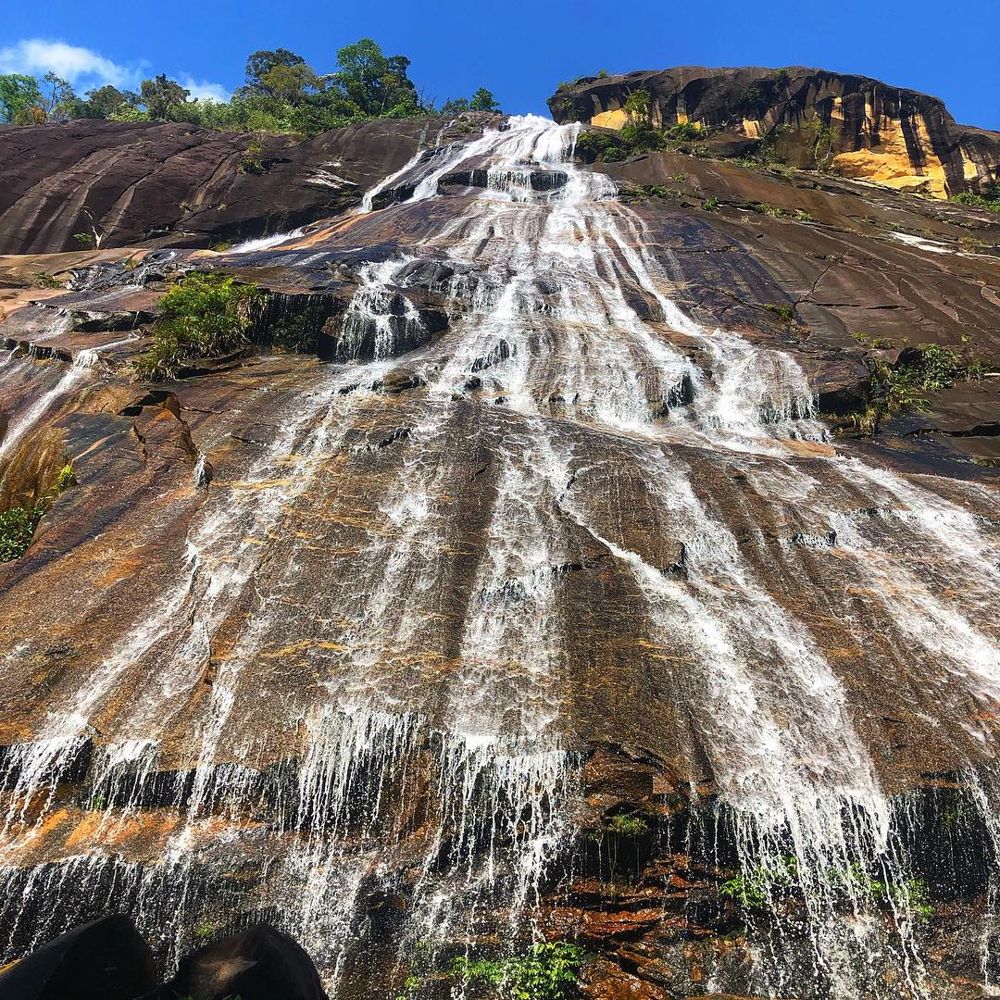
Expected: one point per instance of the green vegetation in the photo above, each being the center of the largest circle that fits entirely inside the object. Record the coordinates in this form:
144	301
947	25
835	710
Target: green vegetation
17	528
756	887
546	971
632	827
630	193
203	931
989	199
613	147
910	895
903	384
927	368
481	100
777	212
753	888
18	524
204	313
785	312
281	93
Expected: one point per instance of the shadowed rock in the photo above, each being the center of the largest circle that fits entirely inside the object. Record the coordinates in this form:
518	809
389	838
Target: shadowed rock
104	960
260	964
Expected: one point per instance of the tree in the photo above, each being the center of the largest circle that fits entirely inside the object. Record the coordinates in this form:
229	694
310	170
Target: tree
483	100
263	61
105	101
376	84
455	106
18	95
289	84
59	100
161	95
637	107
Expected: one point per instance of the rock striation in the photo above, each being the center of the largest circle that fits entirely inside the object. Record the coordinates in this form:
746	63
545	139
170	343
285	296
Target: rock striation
84	182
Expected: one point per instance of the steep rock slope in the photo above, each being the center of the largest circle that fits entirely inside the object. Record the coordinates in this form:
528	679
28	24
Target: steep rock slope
179	185
852	125
539	598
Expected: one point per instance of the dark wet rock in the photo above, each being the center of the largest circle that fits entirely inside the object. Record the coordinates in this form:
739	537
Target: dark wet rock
261	963
103	960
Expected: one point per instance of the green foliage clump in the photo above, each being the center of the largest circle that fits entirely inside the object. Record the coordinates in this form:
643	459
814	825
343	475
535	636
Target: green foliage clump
683	131
637	106
632	827
753	888
989	199
17	528
911	895
598	145
641	138
18	524
547	971
481	100
785	312
204	313
18	95
903	385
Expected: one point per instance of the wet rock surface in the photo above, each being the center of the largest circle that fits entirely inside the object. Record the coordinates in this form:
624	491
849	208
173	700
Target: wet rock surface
537	586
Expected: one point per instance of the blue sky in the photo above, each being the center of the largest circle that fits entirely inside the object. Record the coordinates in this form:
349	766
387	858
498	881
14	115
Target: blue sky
521	50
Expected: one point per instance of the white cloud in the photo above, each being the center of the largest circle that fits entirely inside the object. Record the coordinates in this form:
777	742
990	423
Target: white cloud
86	69
203	90
37	56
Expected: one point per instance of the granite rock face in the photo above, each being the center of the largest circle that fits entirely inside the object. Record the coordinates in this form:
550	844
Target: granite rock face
852	126
556	578
178	185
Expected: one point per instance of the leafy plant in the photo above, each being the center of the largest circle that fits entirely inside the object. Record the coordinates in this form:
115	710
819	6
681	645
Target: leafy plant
627	826
65	478
547	971
682	131
204	313
17	528
785	312
252	160
989	199
636	107
903	385
753	888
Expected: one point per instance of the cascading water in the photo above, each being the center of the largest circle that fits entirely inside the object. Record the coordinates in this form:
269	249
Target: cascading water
444	771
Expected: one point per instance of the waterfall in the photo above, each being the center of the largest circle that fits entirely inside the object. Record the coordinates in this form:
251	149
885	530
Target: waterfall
407	730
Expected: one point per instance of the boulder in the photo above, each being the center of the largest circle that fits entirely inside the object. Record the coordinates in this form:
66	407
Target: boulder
261	963
103	960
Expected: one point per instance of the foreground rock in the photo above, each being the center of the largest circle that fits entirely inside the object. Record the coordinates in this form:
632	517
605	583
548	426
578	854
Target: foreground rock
104	960
259	964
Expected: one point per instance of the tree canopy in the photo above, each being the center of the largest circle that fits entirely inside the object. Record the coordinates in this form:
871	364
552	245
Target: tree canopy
281	93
